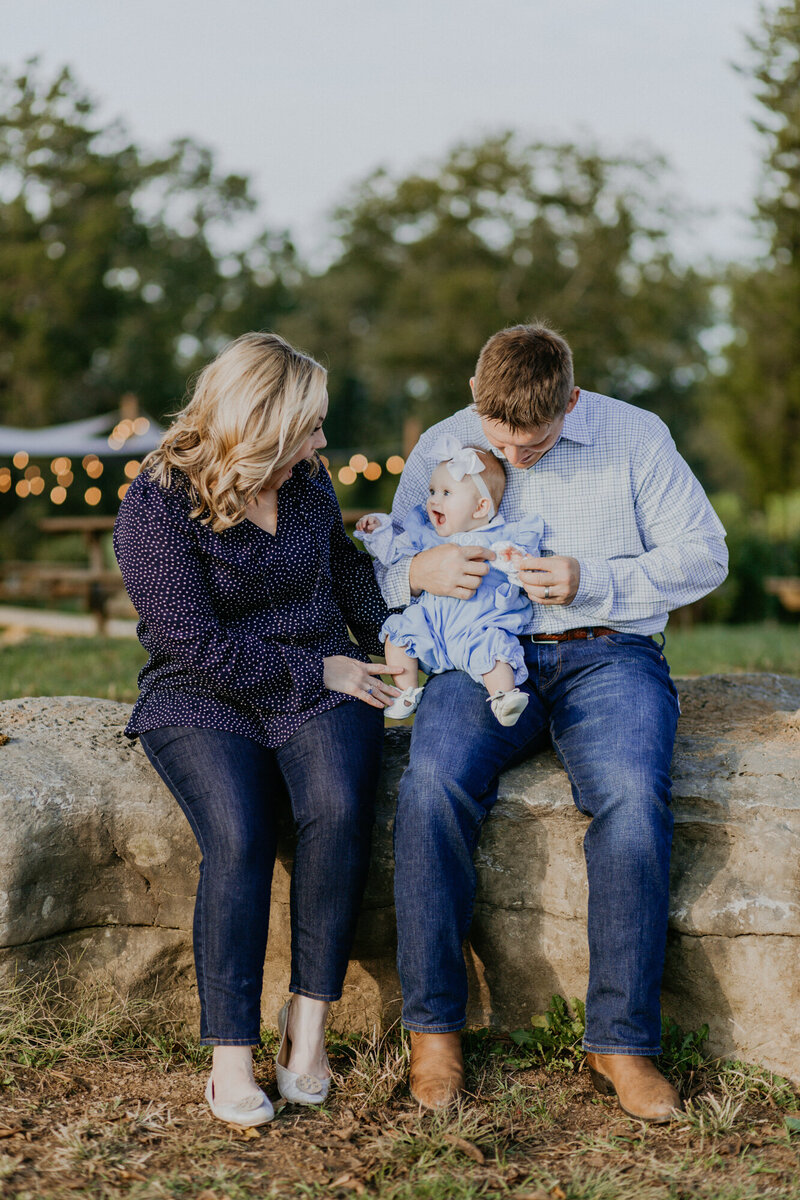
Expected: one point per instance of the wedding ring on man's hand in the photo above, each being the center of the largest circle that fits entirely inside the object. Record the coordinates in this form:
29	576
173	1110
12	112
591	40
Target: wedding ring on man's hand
369	691
547	593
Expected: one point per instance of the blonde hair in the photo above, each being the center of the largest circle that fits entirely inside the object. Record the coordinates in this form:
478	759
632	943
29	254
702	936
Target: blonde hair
252	407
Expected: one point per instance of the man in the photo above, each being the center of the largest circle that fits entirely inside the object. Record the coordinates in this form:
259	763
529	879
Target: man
628	535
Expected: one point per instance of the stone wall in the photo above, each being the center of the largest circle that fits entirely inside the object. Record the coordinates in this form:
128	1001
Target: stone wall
97	863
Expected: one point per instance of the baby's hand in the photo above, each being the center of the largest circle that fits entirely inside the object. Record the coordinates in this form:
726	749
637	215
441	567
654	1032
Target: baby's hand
367	524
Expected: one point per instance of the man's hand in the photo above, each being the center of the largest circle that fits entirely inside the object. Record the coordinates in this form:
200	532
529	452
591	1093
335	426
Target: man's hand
550	580
449	570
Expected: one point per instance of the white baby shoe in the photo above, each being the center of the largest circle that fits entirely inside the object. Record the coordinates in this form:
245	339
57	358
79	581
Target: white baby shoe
245	1113
509	706
404	704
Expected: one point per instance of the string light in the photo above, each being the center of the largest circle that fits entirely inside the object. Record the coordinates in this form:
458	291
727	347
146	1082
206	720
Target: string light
20	459
395	464
93	495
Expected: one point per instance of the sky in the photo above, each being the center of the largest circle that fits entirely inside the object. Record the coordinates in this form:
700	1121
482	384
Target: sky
306	97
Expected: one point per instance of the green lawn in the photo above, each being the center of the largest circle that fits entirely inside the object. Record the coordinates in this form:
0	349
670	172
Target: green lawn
107	667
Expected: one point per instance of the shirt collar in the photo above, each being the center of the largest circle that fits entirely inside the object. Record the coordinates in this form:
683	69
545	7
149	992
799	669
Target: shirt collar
576	428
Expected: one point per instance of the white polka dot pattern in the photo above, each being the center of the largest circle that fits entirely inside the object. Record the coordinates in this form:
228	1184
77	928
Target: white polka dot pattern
237	623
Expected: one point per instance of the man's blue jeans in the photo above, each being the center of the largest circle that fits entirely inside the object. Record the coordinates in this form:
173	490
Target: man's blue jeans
229	788
610	709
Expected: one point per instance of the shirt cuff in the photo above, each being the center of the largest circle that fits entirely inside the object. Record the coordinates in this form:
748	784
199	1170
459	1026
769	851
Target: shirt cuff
594	587
395	585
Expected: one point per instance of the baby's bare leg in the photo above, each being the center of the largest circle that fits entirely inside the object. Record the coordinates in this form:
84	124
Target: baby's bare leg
499	679
408	674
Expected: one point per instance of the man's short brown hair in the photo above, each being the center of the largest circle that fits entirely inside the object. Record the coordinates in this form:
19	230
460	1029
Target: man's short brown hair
524	377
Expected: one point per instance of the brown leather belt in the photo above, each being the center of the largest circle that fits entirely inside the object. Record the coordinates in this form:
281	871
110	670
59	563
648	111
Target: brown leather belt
573	635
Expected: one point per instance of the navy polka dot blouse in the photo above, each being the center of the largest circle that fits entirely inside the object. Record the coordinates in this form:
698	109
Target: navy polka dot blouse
237	623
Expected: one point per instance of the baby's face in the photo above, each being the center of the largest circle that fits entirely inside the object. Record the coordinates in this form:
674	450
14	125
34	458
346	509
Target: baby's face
451	505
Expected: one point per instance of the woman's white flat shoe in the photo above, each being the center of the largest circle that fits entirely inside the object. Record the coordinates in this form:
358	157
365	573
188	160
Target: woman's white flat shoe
247	1112
508	706
297	1089
404	704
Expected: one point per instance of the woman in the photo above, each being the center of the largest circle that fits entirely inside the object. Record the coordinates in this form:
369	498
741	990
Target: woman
232	549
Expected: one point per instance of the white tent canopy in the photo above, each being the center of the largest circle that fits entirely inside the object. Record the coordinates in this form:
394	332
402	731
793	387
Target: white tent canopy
78	438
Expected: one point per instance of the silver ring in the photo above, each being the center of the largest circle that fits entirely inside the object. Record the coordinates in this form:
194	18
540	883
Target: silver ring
547	593
369	691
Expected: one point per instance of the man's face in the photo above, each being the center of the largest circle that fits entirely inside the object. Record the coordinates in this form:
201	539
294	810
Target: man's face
523	448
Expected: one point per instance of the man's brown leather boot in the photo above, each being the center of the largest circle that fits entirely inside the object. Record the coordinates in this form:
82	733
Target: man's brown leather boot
437	1068
641	1089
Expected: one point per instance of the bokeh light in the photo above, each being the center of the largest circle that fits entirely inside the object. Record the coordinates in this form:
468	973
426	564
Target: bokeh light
141	426
372	471
93	495
20	459
132	468
347	475
37	486
58	495
358	462
65	479
122	489
395	464
61	464
94	469
23	489
32	472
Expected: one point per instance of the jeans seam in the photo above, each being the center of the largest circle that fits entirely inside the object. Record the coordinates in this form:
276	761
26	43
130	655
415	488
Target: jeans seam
199	837
575	788
328	998
449	1027
637	1051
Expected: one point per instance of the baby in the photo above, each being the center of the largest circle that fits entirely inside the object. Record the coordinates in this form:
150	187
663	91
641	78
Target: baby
480	635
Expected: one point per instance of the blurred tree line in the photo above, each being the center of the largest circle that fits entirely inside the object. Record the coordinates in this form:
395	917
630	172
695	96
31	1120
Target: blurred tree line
121	271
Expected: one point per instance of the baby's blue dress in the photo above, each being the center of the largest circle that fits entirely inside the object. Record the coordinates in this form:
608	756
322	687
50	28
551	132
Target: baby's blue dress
447	634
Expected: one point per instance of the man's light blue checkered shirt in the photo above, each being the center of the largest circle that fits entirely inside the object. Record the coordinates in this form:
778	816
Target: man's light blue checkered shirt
615	494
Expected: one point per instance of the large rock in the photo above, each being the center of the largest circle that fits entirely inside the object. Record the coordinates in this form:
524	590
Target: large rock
98	864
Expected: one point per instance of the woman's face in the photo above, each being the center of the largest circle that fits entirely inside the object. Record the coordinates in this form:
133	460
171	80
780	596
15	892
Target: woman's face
315	441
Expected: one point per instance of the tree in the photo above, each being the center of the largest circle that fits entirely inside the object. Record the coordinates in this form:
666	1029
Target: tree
755	405
427	267
110	277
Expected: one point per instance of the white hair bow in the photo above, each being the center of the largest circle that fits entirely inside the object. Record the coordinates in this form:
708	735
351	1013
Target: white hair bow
460	461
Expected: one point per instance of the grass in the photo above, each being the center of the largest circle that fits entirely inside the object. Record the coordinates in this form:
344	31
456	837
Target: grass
107	667
121	1116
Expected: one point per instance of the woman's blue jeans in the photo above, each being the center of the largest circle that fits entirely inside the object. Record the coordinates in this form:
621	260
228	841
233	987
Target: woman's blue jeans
229	788
610	708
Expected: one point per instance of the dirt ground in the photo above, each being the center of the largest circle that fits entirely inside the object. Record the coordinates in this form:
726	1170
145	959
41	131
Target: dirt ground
116	1128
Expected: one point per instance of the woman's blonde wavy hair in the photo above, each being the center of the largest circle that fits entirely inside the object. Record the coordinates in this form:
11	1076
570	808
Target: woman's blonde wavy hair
252	408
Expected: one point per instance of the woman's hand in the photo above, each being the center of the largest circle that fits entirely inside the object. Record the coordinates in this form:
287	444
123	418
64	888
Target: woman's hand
363	680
